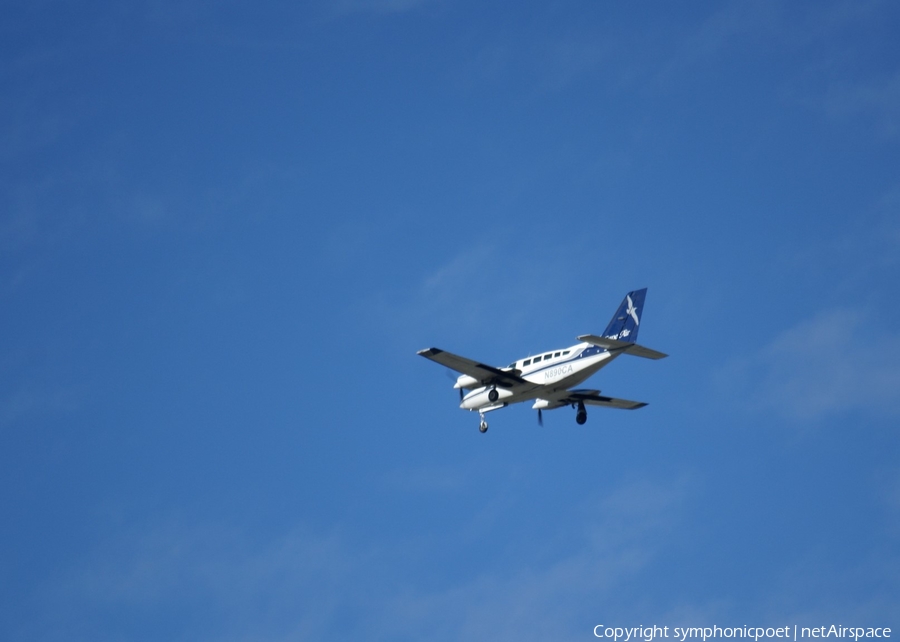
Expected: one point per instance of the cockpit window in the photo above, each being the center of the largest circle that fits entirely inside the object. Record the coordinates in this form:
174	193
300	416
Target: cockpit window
527	362
512	366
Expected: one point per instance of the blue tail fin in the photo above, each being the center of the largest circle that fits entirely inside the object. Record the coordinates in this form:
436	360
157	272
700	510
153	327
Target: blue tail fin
627	320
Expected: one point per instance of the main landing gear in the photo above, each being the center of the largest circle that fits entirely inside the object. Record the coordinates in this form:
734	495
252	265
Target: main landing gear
492	396
581	415
483	425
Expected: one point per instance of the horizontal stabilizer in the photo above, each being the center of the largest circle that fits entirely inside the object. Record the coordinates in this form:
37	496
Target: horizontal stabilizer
630	348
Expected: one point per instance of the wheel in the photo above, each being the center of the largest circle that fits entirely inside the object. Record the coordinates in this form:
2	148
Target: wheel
581	417
483	426
492	395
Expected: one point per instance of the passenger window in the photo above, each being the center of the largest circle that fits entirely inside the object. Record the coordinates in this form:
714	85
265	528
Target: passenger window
556	354
565	352
548	356
536	359
527	362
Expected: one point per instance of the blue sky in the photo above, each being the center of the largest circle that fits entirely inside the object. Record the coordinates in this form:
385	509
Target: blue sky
226	228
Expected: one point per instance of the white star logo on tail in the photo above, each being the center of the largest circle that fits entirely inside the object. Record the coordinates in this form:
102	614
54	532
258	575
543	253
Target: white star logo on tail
632	311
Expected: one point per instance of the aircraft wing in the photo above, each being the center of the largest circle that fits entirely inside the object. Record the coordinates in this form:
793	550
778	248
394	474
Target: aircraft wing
594	398
484	373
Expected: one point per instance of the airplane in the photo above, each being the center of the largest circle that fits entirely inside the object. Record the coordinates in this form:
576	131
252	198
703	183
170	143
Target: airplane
549	377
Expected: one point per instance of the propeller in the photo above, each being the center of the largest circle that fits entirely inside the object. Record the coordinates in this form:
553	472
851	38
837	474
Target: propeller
454	377
540	418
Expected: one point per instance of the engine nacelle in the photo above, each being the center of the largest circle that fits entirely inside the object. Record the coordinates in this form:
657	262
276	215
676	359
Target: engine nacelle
465	381
543	404
479	398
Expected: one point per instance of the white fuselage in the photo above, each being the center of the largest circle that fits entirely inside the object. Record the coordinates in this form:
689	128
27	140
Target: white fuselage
548	374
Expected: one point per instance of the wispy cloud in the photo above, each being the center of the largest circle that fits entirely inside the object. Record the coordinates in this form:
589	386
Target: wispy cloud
622	533
304	585
477	291
819	587
378	6
877	99
429	479
838	361
862	254
30	401
287	588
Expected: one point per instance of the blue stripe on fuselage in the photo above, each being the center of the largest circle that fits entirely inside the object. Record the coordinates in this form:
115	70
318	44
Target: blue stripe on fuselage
589	351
